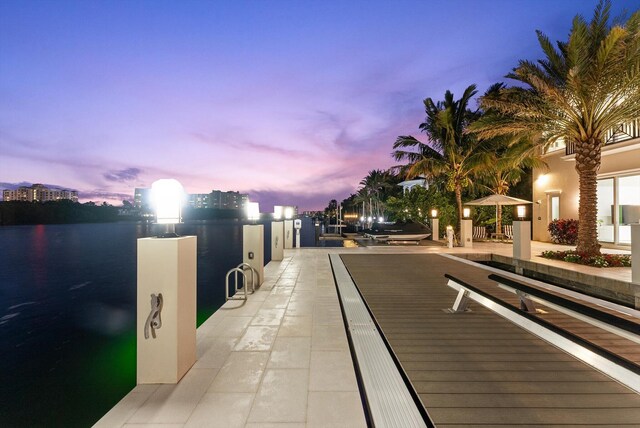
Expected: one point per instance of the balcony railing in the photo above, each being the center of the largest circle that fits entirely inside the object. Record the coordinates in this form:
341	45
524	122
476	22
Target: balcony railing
623	132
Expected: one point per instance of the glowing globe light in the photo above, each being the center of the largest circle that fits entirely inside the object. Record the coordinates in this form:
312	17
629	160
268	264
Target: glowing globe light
288	213
253	210
167	196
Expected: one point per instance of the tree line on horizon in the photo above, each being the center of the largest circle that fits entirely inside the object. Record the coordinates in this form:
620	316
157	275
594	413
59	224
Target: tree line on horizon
580	89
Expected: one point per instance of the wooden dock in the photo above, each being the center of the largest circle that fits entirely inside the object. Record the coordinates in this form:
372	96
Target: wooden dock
478	369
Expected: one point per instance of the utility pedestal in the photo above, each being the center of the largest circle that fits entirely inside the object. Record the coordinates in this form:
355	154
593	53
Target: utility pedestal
635	254
253	249
522	240
288	234
435	224
166	309
466	233
277	240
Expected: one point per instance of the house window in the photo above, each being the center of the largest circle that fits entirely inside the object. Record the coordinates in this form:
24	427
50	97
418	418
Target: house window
555	207
606	209
628	206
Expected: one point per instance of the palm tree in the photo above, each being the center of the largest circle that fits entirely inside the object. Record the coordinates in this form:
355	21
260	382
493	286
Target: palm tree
374	186
578	92
451	153
507	167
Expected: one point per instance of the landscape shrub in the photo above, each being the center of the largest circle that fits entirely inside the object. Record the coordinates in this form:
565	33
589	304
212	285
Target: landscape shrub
602	260
564	231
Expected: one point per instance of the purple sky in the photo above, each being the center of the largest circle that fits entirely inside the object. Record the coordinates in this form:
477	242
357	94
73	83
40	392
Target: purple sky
289	101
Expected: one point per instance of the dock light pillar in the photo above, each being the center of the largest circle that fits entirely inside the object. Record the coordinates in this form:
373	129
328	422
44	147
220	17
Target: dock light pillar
522	240
297	225
288	234
435	224
166	294
277	240
635	256
166	308
253	249
466	233
449	236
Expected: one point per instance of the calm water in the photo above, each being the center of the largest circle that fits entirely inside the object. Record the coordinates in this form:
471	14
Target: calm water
67	314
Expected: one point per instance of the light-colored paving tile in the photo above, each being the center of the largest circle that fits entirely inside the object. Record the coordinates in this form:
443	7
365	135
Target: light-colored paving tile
332	371
257	338
152	426
221	410
275	425
241	372
231	326
329	338
300	308
290	353
282	396
126	407
295	326
173	404
241	307
212	352
345	410
268	317
276	301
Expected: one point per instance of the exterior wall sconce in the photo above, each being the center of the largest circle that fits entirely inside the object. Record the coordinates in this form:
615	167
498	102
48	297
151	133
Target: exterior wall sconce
434	213
466	212
168	195
521	211
253	211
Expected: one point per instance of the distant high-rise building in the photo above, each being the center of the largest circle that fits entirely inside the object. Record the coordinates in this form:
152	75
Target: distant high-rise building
228	200
199	200
216	199
142	198
39	193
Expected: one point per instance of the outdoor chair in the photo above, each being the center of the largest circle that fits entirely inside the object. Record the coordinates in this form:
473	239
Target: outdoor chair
479	233
508	231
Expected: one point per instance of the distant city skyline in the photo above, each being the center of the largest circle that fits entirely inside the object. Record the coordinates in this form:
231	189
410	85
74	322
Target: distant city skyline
290	102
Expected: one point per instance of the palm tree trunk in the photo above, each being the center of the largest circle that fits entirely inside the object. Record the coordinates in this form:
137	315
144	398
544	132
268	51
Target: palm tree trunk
588	157
459	203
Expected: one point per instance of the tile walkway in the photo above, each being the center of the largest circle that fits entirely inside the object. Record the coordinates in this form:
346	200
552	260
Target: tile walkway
282	358
279	360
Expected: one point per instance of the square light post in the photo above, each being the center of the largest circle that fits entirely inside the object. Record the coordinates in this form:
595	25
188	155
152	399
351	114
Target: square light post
466	229
435	225
521	235
277	234
253	242
166	294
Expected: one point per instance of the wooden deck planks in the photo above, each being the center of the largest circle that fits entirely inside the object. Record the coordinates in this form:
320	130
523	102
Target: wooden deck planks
477	369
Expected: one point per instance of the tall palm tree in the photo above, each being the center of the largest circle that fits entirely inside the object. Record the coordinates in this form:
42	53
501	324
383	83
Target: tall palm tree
580	90
374	186
451	153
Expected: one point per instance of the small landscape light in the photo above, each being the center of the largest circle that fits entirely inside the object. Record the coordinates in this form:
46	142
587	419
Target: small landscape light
466	212
380	219
521	210
434	213
369	219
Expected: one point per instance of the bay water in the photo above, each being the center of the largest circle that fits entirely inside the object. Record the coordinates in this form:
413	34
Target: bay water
68	313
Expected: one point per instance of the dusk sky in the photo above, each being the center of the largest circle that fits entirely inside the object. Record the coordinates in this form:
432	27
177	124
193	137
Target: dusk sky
289	101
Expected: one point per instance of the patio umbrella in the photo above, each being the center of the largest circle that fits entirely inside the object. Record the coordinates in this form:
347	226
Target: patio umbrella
496	200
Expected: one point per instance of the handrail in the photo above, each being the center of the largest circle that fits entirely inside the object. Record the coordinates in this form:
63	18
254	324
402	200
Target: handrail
226	283
254	273
566	305
615	366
